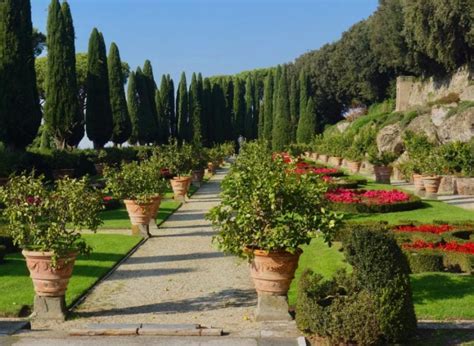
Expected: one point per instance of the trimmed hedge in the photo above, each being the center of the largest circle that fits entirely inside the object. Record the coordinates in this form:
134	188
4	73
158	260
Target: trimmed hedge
425	261
458	262
372	305
3	252
361	208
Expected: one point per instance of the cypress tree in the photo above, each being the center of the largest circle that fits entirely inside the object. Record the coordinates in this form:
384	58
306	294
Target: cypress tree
171	111
20	112
182	110
99	122
134	109
122	127
161	119
204	120
207	111
294	107
218	104
195	110
150	94
249	108
148	129
239	107
258	123
276	84
307	123
229	102
268	107
304	91
281	137
165	108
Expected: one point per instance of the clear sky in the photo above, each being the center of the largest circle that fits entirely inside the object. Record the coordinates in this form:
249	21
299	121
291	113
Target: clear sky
210	36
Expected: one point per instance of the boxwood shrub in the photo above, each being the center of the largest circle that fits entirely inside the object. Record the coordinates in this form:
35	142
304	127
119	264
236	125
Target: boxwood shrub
362	208
372	305
425	261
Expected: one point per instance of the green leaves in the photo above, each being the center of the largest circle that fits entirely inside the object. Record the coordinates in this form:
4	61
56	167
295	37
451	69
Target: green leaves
266	206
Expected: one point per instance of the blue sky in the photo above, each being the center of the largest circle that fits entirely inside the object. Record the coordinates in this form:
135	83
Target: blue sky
210	36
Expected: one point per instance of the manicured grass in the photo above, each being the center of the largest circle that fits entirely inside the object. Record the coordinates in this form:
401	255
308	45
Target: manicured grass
437	296
118	218
17	289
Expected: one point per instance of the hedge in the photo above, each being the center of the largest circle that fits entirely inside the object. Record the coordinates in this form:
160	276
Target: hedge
425	261
362	208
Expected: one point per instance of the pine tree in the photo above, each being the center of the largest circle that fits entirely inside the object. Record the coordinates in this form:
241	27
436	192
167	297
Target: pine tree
281	136
77	130
99	121
182	111
148	130
195	110
307	123
134	109
151	93
294	107
20	112
239	107
268	107
249	108
122	127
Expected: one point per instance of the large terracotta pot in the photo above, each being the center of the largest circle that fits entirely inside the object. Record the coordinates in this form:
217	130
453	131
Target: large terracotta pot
383	174
418	182
272	272
314	156
354	166
323	158
335	161
465	186
198	176
431	184
62	173
155	206
49	281
139	213
180	186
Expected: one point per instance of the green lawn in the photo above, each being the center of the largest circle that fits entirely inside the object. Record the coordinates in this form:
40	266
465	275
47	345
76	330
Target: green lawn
17	288
118	218
437	296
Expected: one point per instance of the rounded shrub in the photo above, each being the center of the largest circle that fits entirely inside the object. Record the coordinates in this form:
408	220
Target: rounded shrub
425	261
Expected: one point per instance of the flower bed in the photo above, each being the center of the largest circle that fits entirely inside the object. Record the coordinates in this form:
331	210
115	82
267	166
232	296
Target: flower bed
305	168
371	201
452	246
435	229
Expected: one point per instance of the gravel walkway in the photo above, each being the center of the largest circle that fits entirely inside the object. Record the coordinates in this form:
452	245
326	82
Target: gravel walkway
177	276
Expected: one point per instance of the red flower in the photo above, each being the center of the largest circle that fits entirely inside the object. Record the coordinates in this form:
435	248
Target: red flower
435	229
367	197
451	246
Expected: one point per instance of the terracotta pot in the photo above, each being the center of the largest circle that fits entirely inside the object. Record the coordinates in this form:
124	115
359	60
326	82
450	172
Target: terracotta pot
323	158
139	213
465	186
383	174
335	161
180	186
62	173
211	168
155	206
314	156
418	181
99	168
431	184
198	176
272	272
48	281
354	166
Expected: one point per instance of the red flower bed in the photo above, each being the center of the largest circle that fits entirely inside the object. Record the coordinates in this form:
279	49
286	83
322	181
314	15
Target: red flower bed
435	229
451	246
367	196
285	156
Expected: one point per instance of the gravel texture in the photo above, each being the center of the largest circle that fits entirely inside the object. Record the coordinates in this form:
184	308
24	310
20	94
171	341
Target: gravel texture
178	276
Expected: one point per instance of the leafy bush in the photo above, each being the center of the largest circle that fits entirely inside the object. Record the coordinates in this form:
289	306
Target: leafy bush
463	106
425	261
458	158
265	205
450	98
371	306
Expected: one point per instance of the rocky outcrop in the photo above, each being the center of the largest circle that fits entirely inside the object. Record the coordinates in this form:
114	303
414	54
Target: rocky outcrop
459	127
424	124
389	139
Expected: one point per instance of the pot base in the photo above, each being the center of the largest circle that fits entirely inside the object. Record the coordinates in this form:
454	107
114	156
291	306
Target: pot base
49	309
272	308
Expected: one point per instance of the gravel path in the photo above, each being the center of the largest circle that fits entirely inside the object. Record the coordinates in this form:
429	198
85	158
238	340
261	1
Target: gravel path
177	276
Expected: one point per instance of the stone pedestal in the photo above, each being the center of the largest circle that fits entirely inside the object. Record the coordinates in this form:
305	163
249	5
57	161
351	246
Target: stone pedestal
143	230
272	308
49	309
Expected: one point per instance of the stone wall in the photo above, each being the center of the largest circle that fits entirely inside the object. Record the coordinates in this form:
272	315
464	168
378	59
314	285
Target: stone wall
413	92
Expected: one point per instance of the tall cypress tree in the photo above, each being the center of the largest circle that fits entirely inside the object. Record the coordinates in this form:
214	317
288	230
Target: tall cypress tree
307	123
204	115
151	93
134	109
229	104
249	108
207	110
166	108
161	120
20	112
99	121
195	110
294	107
171	111
218	105
239	107
281	137
122	127
148	131
258	121
182	110
268	107
276	84
304	91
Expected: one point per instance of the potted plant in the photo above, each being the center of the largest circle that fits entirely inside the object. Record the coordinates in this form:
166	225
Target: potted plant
354	159
140	186
432	168
45	222
178	160
382	161
214	156
199	161
267	212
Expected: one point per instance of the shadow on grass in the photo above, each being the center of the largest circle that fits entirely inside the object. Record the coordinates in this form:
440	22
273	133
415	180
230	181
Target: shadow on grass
442	337
434	287
214	301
